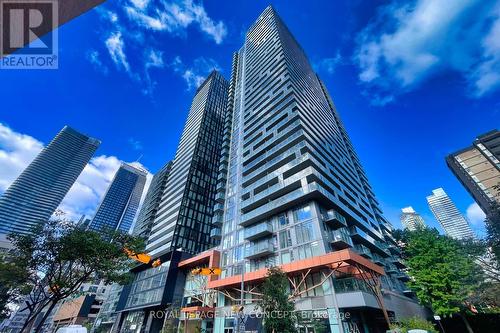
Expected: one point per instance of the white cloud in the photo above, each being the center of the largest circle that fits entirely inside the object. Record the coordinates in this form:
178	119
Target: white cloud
115	45
93	57
175	17
194	75
407	43
475	215
135	144
328	65
18	150
154	58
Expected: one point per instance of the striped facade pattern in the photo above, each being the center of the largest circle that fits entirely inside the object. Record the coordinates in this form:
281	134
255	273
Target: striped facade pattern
184	215
41	187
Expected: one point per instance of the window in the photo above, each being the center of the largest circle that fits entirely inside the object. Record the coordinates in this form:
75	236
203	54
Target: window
283	219
304	232
285	257
285	239
302	213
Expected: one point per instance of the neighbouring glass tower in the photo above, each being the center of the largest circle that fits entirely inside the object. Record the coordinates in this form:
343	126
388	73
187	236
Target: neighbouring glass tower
41	187
452	221
151	202
184	214
292	191
478	169
182	220
410	219
119	206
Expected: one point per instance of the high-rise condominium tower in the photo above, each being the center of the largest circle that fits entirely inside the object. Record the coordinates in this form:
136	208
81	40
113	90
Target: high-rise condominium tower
182	222
151	202
41	187
184	214
292	191
478	169
119	206
452	221
410	219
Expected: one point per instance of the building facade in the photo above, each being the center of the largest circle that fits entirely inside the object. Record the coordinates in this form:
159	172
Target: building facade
410	219
151	202
119	206
292	193
182	221
183	218
38	191
449	217
478	169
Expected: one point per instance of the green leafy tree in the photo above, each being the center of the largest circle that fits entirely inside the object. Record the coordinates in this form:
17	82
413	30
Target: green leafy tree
278	309
12	283
58	257
407	324
493	231
443	274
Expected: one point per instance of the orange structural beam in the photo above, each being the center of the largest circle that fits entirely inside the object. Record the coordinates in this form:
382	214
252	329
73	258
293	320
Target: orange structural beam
198	309
343	260
210	258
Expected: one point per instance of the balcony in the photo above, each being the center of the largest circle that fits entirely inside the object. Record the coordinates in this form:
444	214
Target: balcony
394	249
220	197
363	251
217	220
350	285
378	259
391	268
383	247
218	208
402	276
260	249
215	233
335	219
341	239
258	231
398	262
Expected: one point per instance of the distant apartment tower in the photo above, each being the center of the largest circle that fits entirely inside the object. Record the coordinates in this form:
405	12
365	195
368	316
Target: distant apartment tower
184	215
411	220
38	191
452	221
118	208
182	222
292	193
478	169
151	202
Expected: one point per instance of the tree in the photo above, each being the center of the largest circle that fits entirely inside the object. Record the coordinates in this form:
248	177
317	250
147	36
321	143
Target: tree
443	274
493	231
278	309
58	257
407	324
12	284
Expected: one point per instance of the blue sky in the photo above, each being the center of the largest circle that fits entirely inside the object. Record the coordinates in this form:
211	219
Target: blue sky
412	80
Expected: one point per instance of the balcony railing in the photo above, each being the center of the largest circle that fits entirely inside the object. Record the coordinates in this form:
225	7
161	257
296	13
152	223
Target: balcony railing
363	251
341	239
335	219
378	259
259	249
215	233
217	219
258	231
220	197
391	268
350	285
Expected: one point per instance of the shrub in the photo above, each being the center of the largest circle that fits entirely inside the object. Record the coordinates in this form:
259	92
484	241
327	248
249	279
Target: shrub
412	323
